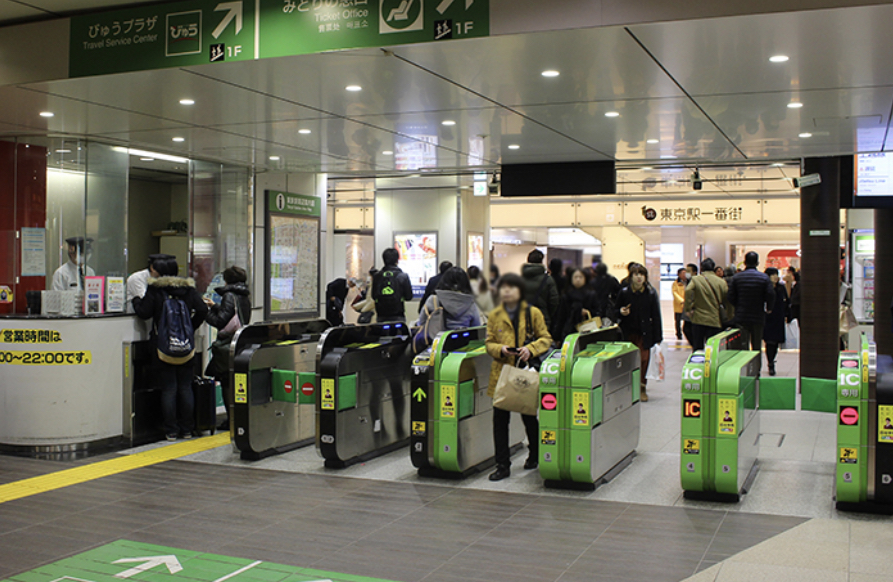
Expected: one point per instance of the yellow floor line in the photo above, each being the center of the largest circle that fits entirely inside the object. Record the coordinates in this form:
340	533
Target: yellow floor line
68	477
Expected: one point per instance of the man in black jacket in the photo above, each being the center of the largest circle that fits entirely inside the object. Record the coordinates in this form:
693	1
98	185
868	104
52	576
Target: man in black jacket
434	281
606	288
391	289
540	289
753	295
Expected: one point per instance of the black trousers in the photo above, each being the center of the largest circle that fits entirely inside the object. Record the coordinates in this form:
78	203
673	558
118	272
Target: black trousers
678	325
688	332
771	352
702	333
501	442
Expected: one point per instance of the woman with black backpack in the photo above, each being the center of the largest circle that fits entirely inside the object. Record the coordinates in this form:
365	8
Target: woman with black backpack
233	313
177	310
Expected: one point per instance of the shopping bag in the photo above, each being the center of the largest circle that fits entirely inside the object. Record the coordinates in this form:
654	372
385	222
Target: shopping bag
792	335
517	390
657	366
591	324
847	320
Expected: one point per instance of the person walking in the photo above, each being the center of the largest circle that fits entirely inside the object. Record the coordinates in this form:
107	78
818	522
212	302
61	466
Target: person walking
555	268
233	313
795	298
774	333
679	300
434	281
753	296
606	287
577	305
638	311
177	310
391	289
456	297
481	290
351	317
539	288
705	297
336	293
516	331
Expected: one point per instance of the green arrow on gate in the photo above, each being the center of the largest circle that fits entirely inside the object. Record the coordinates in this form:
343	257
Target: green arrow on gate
419	394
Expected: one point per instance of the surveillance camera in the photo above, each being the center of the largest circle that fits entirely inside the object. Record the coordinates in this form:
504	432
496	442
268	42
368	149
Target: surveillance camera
696	182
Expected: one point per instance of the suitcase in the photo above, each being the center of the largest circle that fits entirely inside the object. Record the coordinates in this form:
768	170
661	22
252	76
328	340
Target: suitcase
204	390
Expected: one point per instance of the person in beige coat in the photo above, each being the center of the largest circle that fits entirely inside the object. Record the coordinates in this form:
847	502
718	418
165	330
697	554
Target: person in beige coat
515	332
703	298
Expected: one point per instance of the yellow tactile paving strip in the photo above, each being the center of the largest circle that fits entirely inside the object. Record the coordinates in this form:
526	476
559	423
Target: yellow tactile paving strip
93	471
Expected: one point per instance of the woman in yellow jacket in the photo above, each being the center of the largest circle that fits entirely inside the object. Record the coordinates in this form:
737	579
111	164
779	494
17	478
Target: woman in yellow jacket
679	300
508	339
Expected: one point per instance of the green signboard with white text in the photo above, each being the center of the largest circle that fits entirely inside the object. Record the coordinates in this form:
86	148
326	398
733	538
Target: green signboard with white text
202	31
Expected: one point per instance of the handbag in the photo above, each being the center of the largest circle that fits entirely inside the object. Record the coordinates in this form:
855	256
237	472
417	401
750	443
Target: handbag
591	324
723	313
234	325
847	319
517	390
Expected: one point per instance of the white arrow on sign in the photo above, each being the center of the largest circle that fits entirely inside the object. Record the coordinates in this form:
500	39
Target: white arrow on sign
172	563
444	6
235	12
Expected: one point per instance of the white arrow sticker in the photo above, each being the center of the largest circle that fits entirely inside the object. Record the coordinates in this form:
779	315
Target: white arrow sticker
235	12
445	5
172	563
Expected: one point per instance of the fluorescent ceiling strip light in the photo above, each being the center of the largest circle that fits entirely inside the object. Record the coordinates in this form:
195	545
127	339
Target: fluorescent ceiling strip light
155	155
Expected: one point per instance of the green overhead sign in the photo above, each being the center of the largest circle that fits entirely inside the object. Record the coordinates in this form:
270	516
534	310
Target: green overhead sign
124	560
286	203
201	31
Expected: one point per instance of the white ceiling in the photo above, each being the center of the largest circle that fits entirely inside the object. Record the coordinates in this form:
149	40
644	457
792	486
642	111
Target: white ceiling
704	89
12	11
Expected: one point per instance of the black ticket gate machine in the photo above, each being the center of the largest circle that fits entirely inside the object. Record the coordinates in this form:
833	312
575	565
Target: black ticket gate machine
452	416
274	380
363	402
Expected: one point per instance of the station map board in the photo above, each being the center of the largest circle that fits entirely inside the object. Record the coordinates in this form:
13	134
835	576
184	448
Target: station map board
292	264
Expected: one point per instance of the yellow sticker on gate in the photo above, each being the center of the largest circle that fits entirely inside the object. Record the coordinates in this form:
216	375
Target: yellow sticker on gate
448	401
241	388
885	424
691	447
849	455
581	408
728	417
418	428
328	394
549	437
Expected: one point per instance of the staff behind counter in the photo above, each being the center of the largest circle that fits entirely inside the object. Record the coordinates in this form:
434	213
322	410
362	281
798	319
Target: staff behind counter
71	275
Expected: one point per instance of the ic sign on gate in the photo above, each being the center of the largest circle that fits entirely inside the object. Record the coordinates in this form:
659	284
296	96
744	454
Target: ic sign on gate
849	416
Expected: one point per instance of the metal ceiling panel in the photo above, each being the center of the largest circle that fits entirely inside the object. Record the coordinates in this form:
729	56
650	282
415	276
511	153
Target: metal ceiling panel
13	11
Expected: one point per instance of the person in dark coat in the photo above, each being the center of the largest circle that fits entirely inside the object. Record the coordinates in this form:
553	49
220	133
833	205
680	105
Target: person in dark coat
606	288
774	332
752	295
555	268
433	283
175	380
336	293
795	298
236	300
638	311
578	304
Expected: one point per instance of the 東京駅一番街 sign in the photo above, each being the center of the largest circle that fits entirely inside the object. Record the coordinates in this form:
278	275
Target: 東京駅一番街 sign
202	31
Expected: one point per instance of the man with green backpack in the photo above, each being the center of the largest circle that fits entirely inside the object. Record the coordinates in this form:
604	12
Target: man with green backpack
391	289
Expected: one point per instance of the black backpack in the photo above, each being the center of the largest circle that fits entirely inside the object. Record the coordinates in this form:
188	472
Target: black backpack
176	337
390	296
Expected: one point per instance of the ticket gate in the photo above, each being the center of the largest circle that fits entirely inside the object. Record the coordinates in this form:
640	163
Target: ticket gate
865	431
589	410
363	403
452	416
720	419
274	380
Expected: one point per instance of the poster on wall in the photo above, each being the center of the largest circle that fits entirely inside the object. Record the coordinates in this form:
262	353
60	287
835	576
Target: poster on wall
418	258
94	293
292	265
34	252
476	250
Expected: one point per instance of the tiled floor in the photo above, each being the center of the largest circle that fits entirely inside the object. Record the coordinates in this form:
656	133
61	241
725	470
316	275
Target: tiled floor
399	531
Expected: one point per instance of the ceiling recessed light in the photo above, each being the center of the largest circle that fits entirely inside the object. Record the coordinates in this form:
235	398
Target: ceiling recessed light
274	158
805	134
612	114
178	139
304	131
652	141
147	159
449	122
47	114
387	153
514	146
353	88
63	151
795	105
187	101
551	73
779	59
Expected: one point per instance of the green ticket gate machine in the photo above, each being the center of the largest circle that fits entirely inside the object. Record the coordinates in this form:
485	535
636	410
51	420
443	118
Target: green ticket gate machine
364	386
865	431
452	416
589	410
274	383
720	419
